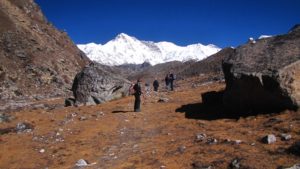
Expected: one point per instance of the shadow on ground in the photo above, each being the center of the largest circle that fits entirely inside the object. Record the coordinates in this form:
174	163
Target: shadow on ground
121	111
212	108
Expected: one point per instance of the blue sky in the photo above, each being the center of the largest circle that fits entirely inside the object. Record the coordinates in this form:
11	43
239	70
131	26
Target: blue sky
183	22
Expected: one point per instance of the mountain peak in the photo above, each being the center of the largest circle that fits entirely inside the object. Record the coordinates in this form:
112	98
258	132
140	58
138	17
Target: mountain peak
125	49
123	36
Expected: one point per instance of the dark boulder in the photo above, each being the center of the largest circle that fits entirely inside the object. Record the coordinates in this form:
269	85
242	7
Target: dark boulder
264	76
95	84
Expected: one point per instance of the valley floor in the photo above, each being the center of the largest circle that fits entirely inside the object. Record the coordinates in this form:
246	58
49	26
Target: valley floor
181	133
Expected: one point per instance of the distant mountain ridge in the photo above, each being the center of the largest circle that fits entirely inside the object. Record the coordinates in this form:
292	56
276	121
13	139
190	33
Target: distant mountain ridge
125	49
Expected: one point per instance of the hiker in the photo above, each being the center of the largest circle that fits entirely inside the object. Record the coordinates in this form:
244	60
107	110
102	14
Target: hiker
155	85
171	80
137	95
167	81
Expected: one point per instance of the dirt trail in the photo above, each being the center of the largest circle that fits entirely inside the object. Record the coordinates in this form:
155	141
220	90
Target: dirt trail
163	135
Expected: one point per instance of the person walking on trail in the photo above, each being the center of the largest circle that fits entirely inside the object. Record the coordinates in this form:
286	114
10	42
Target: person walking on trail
171	80
137	95
155	85
167	81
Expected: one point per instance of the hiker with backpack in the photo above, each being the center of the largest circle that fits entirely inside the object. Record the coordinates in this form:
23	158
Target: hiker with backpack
172	77
155	85
137	89
167	81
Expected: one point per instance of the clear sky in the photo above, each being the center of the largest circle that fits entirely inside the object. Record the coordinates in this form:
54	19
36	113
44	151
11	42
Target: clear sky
183	22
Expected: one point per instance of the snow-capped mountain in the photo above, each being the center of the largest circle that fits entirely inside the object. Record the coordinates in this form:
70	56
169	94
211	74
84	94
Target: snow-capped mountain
125	49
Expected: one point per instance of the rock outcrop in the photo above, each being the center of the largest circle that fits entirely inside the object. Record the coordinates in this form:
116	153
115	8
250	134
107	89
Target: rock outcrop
37	60
95	84
265	75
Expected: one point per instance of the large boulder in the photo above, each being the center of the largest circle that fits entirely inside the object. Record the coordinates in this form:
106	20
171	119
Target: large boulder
264	75
95	84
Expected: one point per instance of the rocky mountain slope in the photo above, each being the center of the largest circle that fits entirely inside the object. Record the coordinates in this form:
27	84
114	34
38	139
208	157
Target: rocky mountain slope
37	60
211	66
125	49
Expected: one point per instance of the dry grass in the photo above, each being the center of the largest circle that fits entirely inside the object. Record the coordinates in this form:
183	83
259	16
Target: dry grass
123	139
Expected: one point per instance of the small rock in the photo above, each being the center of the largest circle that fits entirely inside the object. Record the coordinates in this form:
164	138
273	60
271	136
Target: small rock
82	118
42	150
285	137
238	141
23	127
252	144
211	141
200	137
163	100
198	165
269	139
296	166
81	163
181	149
5	117
235	164
99	113
162	167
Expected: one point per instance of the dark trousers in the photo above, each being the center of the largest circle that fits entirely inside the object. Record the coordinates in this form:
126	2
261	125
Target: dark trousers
171	84
155	88
137	103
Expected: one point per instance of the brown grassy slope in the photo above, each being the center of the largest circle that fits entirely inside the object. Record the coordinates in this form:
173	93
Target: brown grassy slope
163	134
36	58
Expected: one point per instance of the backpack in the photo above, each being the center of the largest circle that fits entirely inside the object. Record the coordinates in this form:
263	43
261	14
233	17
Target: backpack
137	89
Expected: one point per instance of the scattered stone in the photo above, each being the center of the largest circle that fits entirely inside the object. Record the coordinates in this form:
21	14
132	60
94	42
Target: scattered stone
23	127
82	118
296	166
269	139
211	141
200	137
5	117
163	100
81	163
238	141
42	150
99	113
181	149
163	167
198	165
252	144
285	137
235	164
74	114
